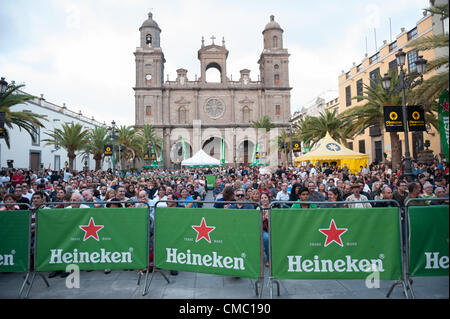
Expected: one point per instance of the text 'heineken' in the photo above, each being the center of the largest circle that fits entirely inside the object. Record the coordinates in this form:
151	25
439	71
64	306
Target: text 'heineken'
7	260
102	257
434	262
296	264
214	261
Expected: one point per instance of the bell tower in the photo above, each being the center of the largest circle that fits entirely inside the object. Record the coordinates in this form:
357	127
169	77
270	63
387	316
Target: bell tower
149	59
274	60
213	56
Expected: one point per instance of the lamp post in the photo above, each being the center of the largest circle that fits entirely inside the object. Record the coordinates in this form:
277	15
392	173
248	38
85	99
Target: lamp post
406	82
113	136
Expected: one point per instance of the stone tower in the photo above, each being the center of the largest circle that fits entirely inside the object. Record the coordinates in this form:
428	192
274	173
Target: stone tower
149	71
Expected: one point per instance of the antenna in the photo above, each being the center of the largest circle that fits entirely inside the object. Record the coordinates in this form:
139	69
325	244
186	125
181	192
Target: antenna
390	28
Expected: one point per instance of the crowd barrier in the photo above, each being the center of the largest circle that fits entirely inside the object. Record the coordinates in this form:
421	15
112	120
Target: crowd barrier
427	245
328	243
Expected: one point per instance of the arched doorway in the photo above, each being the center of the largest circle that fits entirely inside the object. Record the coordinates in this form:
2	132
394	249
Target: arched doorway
212	147
244	152
177	153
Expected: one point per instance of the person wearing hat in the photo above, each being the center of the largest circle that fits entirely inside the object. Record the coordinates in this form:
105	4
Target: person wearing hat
357	196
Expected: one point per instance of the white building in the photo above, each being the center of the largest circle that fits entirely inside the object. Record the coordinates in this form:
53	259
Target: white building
26	154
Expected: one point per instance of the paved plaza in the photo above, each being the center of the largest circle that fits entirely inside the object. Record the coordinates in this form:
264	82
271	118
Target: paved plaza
121	284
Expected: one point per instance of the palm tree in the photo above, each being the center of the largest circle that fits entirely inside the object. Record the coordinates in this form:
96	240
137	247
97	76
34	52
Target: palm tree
372	113
149	137
428	92
98	138
284	139
72	137
131	143
28	121
312	129
263	123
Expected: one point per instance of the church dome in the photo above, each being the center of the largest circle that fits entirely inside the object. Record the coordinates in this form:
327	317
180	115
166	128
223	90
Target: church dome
150	23
272	24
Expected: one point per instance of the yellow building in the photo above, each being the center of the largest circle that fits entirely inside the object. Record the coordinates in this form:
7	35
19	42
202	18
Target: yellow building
375	141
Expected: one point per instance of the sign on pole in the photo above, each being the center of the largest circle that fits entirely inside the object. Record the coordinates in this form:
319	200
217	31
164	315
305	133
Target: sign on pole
92	238
393	118
416	118
443	113
336	243
213	241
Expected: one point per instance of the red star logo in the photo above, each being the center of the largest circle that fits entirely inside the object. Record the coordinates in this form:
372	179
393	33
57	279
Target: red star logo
91	230
445	106
333	234
203	231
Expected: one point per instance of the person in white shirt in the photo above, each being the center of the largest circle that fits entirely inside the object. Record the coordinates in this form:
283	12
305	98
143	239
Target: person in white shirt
161	195
76	197
283	195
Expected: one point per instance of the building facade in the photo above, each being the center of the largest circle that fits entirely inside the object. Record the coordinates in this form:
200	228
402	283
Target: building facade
204	112
24	153
375	141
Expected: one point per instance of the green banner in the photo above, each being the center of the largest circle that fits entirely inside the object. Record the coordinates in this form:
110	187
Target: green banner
213	241
428	240
336	243
211	181
92	238
443	112
14	239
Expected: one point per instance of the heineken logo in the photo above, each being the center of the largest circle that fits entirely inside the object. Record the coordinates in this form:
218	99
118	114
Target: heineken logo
91	230
7	259
333	234
58	256
433	261
349	264
215	260
203	231
445	106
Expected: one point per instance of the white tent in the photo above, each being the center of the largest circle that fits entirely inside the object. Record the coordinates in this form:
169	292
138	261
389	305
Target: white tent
201	159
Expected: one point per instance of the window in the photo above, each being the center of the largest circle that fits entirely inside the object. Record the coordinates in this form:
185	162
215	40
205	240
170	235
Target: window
148	110
276	79
182	118
374	58
148	39
245	114
362	146
412	34
393	65
412	58
359	89
275	42
373	77
350	145
36	136
277	109
348	96
276	67
392	46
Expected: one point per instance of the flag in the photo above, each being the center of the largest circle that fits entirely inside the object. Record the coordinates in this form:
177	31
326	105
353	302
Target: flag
222	153
443	112
184	147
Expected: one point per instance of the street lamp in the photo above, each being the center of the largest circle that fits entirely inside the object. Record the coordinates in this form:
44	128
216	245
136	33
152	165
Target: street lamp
406	82
3	86
113	136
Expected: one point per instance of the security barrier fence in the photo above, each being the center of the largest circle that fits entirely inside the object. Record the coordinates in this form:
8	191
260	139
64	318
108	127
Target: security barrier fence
299	243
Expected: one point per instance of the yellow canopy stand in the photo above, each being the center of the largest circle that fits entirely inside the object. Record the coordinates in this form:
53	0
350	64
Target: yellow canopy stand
328	150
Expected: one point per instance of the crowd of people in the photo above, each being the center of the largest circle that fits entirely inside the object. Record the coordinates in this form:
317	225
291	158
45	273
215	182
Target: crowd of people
325	186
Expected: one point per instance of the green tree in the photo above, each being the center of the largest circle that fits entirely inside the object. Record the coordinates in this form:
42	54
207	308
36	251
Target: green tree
312	129
98	137
28	121
372	112
428	92
148	134
73	137
130	142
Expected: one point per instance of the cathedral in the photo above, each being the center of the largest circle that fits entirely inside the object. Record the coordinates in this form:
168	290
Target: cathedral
203	113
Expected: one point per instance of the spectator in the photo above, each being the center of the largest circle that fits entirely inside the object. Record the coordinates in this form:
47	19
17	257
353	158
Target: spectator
239	195
228	196
357	196
334	195
400	194
77	199
264	207
304	197
414	192
9	203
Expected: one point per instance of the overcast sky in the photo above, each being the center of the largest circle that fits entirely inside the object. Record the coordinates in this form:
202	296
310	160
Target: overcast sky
81	52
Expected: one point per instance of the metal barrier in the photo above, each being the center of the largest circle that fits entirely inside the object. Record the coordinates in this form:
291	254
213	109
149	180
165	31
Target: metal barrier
401	281
158	270
408	277
32	268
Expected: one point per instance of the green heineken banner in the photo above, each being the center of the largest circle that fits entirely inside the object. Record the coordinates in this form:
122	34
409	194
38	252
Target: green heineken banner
336	243
211	181
428	240
14	239
443	112
92	238
213	241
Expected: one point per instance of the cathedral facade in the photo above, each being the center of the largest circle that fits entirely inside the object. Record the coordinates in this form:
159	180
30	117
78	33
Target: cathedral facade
203	113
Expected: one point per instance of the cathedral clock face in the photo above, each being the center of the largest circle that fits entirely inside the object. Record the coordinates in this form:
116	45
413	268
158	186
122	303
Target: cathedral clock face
214	108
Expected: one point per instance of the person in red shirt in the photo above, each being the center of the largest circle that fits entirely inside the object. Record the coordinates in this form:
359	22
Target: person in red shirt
17	178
